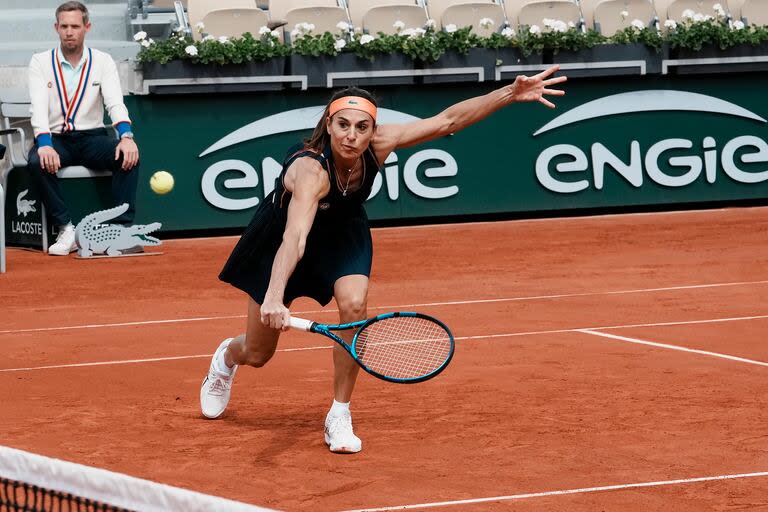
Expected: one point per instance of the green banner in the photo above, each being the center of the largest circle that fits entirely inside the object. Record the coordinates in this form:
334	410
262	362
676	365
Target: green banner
610	143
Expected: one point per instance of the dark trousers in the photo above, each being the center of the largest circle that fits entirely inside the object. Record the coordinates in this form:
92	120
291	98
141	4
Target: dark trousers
94	149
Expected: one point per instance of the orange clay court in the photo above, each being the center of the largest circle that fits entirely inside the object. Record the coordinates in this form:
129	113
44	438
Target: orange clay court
602	363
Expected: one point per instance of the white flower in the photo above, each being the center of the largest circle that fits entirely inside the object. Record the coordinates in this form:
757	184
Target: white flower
276	34
178	29
430	23
688	14
264	30
305	28
339	44
698	17
343	26
624	14
451	28
209	37
223	39
486	23
398	26
417	32
200	26
639	25
534	29
707	17
718	8
146	43
555	25
508	32
139	36
670	24
738	25
366	38
301	29
191	50
571	24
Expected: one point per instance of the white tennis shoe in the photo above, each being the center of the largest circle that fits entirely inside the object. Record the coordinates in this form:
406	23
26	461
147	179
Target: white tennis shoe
65	242
339	435
217	386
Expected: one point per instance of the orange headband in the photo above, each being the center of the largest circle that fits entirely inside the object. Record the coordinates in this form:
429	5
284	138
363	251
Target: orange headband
354	103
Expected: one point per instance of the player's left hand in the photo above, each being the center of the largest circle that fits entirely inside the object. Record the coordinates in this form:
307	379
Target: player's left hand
534	88
130	152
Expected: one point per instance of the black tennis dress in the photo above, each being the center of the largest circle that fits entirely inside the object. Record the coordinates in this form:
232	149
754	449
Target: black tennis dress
339	242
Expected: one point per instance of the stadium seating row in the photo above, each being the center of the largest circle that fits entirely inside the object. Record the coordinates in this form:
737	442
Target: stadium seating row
233	17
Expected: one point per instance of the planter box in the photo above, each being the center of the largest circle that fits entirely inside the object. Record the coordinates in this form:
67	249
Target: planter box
317	69
598	61
216	78
751	59
477	57
506	60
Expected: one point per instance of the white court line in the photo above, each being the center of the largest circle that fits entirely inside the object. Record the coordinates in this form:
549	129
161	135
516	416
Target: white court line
515	221
571	218
137	361
675	347
457	338
563	492
396	307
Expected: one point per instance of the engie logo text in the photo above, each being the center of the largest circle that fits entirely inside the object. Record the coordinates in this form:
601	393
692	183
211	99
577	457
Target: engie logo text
396	173
567	168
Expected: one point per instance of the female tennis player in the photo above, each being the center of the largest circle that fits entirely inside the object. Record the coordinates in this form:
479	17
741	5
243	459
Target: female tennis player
310	237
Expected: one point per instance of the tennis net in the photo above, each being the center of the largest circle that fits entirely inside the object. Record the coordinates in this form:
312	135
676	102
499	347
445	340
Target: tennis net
33	483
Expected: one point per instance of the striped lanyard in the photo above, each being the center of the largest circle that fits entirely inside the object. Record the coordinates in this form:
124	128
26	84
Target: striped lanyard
70	106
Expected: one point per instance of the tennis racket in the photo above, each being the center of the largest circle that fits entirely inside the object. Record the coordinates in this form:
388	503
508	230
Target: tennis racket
398	347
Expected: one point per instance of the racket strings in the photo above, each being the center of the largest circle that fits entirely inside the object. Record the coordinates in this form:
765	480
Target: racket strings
404	347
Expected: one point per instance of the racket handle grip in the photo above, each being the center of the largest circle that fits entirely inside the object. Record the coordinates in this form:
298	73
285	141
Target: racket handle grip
300	323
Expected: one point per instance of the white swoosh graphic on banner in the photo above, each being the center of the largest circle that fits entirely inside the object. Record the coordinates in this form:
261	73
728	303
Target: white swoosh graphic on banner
292	121
648	101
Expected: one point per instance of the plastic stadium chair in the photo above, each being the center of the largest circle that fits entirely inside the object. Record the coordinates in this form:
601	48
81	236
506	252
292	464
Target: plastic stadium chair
533	13
358	9
235	22
608	18
324	19
278	9
463	15
734	8
197	9
755	12
383	18
676	8
3	171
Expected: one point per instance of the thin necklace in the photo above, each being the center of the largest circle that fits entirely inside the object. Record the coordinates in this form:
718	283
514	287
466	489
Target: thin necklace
349	176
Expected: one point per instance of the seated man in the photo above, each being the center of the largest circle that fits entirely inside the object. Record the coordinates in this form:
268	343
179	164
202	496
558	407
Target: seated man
69	87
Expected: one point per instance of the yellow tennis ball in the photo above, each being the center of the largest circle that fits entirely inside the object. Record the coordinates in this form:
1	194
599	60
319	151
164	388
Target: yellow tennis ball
161	182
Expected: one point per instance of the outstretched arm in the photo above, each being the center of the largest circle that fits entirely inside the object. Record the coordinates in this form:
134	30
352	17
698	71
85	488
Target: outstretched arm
468	112
308	183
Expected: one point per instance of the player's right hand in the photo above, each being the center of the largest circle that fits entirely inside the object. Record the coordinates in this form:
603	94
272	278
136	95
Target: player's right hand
274	314
49	159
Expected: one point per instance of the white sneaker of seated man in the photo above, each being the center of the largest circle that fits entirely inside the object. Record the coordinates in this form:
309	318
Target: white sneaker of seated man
65	241
339	435
217	385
